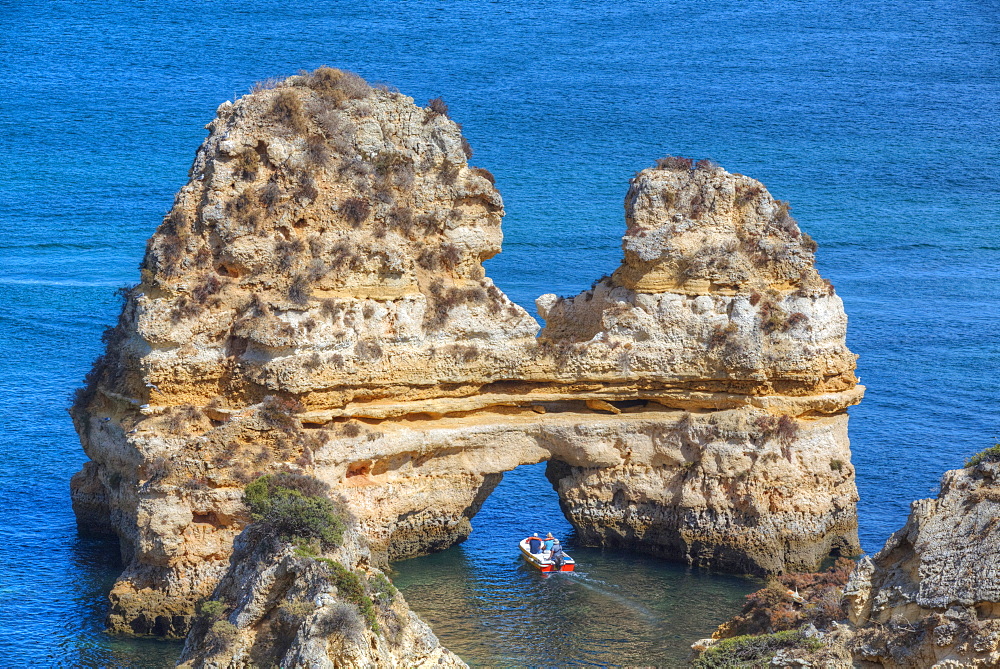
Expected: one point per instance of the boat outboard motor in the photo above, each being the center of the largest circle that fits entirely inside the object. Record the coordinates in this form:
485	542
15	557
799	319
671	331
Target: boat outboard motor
557	556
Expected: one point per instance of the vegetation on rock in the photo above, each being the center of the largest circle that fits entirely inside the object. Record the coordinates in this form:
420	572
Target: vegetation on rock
791	601
295	506
991	454
753	650
351	587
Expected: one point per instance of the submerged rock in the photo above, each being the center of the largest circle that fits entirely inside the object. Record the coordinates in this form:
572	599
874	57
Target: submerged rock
315	301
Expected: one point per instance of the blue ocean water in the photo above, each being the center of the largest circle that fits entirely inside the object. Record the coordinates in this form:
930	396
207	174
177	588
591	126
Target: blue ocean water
878	121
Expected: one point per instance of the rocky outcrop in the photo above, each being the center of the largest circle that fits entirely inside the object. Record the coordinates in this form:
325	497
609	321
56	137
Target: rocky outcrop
315	301
931	596
282	606
797	620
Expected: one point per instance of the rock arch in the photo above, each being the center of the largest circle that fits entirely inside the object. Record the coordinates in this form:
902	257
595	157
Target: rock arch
316	300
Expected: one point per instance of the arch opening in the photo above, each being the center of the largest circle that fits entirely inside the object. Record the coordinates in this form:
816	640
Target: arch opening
619	607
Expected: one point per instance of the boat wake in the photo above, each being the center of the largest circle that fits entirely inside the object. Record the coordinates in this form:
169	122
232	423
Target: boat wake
604	589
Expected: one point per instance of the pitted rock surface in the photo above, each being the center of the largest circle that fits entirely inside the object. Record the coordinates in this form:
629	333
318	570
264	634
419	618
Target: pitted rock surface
315	300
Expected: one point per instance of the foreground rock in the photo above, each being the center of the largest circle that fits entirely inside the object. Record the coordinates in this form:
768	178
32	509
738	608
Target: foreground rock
281	606
798	620
316	301
931	596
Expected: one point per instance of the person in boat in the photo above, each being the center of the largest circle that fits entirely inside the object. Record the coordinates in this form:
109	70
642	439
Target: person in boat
557	556
534	544
547	544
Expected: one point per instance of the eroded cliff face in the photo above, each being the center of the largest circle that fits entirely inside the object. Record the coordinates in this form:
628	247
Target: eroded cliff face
279	607
931	596
316	301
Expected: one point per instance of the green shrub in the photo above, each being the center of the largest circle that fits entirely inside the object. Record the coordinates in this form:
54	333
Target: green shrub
306	549
294	507
211	609
753	651
382	587
991	454
352	588
220	636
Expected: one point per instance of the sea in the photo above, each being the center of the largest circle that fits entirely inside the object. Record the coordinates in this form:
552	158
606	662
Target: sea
878	121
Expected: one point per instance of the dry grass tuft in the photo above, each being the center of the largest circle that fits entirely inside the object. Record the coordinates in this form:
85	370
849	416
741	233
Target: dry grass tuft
287	110
674	163
438	106
355	210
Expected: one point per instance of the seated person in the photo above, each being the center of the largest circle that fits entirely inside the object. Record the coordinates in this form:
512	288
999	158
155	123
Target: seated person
549	539
557	556
534	544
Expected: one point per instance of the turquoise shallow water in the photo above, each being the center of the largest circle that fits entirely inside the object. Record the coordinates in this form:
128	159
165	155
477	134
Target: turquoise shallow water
879	122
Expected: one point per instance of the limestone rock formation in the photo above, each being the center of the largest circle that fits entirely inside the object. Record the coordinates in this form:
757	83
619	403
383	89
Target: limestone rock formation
315	301
278	607
716	310
931	596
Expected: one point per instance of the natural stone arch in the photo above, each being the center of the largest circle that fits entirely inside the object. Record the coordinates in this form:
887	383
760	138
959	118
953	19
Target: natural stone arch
693	487
316	300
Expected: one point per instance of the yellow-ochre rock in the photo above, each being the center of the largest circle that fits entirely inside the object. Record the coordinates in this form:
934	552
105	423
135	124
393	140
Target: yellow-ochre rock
316	301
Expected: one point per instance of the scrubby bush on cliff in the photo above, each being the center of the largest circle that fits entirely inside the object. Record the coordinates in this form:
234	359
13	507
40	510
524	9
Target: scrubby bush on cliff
220	636
355	210
777	608
343	619
674	163
746	194
295	506
991	454
753	651
246	165
438	106
211	610
279	413
286	110
337	85
484	173
351	586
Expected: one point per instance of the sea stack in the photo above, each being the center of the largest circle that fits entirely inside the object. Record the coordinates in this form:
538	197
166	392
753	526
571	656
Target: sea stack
315	304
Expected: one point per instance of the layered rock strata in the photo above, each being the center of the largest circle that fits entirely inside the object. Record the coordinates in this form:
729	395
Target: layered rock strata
316	300
931	596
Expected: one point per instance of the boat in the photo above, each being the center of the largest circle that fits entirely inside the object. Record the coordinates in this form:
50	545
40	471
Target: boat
543	564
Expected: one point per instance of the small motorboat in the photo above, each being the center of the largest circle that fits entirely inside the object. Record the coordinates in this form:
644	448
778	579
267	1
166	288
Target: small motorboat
541	562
